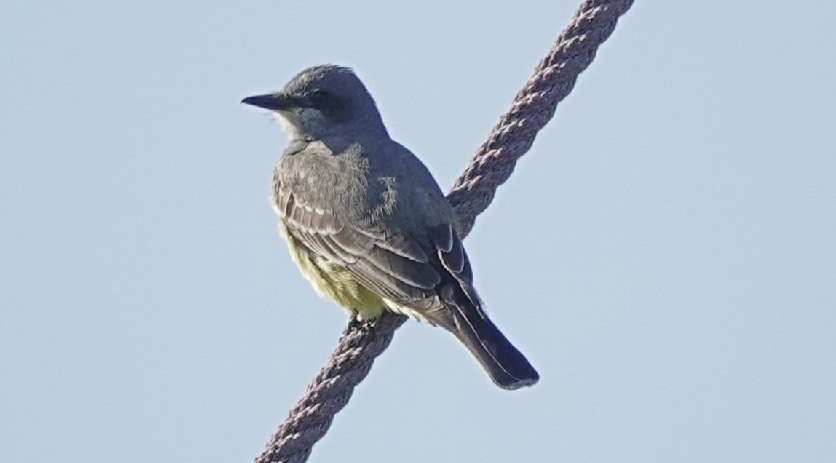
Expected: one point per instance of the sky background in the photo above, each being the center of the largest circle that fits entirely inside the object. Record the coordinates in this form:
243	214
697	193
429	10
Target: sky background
665	254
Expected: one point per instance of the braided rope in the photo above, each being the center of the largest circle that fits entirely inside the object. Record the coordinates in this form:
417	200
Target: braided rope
328	393
533	107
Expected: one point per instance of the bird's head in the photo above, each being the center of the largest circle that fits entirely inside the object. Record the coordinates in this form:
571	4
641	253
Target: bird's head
323	102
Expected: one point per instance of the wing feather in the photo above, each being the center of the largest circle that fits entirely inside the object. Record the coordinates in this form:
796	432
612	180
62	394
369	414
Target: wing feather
396	267
426	276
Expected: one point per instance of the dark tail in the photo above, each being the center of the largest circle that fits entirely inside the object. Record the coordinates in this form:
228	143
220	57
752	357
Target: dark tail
461	313
506	365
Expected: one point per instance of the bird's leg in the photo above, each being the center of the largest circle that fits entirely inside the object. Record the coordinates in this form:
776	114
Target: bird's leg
354	319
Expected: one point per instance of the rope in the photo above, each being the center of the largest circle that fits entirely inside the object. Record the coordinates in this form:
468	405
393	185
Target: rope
533	107
328	393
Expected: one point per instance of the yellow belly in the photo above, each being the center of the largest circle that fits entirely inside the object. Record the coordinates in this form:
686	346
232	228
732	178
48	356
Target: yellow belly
334	282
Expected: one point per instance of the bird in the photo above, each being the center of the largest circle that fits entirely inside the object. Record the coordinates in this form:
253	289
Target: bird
368	225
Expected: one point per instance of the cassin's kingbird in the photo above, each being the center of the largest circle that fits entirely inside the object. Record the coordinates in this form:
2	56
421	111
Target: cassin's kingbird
367	223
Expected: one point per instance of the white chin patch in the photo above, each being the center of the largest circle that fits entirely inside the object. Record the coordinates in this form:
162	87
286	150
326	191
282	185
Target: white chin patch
287	126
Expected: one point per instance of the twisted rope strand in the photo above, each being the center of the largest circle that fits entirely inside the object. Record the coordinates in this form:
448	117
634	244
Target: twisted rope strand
492	164
330	390
533	107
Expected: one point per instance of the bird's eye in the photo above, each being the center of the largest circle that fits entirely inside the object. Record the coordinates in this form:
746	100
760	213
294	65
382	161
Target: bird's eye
318	97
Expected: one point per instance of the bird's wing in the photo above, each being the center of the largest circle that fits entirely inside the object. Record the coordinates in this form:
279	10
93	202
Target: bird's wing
393	266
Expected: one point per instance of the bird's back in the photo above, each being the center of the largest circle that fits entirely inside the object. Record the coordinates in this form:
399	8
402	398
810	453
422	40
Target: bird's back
378	186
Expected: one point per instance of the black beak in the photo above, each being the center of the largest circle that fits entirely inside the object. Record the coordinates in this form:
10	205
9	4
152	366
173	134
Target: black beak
274	101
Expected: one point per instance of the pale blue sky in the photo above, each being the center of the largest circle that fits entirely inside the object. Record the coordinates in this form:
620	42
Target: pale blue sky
665	253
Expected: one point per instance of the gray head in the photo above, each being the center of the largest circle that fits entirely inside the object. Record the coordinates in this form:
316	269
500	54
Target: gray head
322	102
